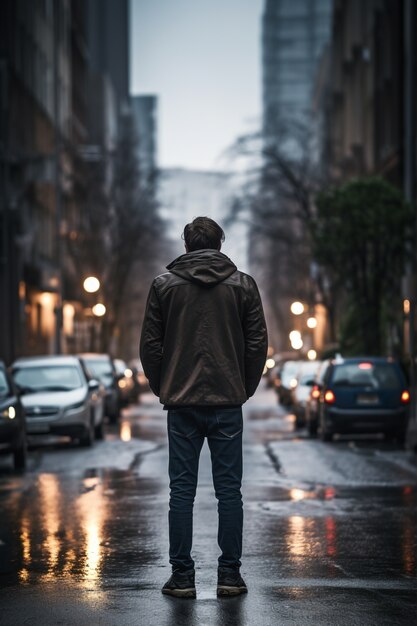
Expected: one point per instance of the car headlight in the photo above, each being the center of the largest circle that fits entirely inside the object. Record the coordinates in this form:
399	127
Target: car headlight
9	412
77	405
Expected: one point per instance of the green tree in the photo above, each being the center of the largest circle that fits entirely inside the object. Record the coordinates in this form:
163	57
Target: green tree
359	236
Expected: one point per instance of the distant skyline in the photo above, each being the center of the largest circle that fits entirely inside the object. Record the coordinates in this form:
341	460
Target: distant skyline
203	62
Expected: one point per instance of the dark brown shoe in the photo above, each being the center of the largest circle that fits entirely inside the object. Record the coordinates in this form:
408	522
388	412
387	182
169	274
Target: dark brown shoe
180	585
230	582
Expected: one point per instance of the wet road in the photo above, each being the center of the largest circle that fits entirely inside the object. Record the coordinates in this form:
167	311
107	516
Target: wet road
330	530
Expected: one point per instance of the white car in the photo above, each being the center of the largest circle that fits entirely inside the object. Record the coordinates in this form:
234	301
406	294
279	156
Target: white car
58	398
304	381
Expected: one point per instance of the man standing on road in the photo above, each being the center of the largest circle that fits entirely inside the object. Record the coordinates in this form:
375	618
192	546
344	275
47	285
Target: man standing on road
203	348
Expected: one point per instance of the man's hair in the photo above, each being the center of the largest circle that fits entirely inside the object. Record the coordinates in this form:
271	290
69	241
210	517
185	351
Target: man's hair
201	233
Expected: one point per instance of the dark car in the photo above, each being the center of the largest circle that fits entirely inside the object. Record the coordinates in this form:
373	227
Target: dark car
285	381
12	421
124	381
301	393
141	383
102	367
312	402
364	395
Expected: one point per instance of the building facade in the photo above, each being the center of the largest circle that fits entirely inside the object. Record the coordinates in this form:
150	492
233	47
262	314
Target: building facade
145	111
293	37
35	119
367	102
365	90
64	72
108	38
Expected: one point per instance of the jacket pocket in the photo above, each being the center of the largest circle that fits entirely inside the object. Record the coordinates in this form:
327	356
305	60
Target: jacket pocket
229	421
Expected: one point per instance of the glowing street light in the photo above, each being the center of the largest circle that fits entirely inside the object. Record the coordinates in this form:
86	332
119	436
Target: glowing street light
312	322
295	335
91	284
297	308
297	344
99	309
312	355
270	363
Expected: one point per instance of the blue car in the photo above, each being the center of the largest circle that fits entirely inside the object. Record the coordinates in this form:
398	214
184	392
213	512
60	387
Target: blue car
12	421
364	395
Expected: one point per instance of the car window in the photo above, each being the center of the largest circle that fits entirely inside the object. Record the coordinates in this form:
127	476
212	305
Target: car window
375	375
39	378
307	379
100	368
290	367
4	385
322	372
120	366
309	368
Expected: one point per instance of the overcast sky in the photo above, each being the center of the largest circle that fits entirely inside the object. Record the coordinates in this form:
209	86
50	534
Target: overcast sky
202	58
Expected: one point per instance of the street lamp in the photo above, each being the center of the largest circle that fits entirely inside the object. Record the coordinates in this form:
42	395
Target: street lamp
296	340
297	308
99	309
312	322
91	284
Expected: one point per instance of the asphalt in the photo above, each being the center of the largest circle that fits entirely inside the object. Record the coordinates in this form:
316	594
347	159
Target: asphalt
330	530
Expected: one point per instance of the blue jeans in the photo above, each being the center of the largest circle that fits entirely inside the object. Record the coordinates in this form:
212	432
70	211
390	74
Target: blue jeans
187	428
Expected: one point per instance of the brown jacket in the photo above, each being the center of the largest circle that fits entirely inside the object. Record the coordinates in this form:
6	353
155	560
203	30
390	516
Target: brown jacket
204	338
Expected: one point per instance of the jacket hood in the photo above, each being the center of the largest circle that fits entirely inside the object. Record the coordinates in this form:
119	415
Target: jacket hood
206	267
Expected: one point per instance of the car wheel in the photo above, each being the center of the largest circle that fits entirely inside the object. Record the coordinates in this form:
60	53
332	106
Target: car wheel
299	422
20	456
312	428
87	440
399	436
100	430
325	434
113	417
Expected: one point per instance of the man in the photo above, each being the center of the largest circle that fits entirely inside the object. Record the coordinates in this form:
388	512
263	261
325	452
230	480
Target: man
203	348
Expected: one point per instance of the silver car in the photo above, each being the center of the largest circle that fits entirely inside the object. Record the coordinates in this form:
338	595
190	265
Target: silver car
58	398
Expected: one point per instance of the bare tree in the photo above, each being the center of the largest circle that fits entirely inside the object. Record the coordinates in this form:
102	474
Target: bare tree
121	235
277	202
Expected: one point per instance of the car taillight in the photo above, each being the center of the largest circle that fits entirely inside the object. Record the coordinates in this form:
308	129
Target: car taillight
329	397
315	392
405	396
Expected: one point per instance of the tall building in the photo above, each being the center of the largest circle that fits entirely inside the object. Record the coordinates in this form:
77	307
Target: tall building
294	37
108	39
144	111
294	34
366	95
34	119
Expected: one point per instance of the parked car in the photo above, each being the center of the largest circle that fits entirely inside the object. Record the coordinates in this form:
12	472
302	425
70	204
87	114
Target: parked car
99	401
364	395
102	367
57	397
311	414
305	378
12	421
140	381
285	382
124	381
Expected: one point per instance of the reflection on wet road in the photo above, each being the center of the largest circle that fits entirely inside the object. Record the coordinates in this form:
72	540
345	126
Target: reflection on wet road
330	530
